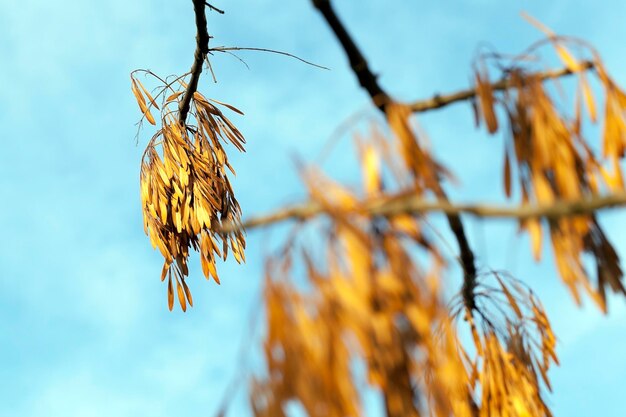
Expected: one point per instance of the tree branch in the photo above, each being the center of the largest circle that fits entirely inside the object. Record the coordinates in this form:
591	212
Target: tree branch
412	204
438	101
215	9
359	65
381	99
202	49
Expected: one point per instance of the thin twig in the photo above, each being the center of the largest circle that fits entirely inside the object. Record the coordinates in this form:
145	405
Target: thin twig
208	64
412	204
273	51
238	58
202	49
210	6
164	88
439	101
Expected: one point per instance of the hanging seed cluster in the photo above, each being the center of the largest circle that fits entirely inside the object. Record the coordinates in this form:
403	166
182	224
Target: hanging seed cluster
372	303
368	301
548	153
186	195
514	348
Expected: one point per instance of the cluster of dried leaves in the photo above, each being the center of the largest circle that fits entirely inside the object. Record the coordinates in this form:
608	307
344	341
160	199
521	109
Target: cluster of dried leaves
381	314
371	304
553	160
185	191
374	305
514	347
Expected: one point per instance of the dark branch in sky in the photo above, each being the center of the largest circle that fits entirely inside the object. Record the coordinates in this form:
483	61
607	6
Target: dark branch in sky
202	49
210	6
381	99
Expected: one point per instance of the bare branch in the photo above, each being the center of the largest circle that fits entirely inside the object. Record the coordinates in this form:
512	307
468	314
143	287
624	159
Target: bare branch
412	204
215	9
439	101
202	49
358	63
381	99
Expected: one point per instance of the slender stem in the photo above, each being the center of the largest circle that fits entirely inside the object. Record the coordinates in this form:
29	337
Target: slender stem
272	51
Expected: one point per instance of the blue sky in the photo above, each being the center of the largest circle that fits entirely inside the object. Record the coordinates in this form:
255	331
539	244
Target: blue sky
84	327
